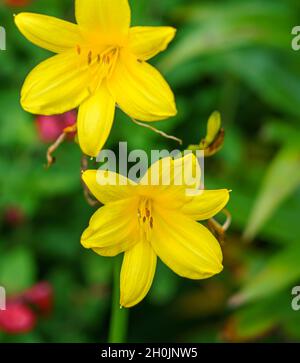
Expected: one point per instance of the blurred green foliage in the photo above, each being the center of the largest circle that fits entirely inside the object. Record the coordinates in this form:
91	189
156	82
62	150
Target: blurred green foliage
230	55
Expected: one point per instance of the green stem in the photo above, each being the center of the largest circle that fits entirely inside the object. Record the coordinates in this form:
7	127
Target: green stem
119	316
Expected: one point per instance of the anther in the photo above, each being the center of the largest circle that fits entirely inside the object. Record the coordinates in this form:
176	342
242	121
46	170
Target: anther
151	222
98	58
144	219
90	57
78	49
147	213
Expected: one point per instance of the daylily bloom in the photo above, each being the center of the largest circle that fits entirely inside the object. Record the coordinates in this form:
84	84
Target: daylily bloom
101	62
146	220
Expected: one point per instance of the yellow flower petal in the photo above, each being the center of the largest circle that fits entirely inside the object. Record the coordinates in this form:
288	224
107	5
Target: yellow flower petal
56	85
106	16
186	246
146	42
107	186
115	250
113	225
137	273
48	32
206	205
140	90
95	119
178	171
171	180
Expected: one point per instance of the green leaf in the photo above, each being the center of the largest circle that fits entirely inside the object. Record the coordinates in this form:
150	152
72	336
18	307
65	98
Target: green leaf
222	27
255	320
281	132
16	126
268	75
17	270
280	272
281	181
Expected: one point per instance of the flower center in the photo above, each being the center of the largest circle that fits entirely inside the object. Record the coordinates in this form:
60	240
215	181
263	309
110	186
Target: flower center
101	62
145	217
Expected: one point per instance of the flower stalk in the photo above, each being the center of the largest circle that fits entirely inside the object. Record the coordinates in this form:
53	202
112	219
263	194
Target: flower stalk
119	315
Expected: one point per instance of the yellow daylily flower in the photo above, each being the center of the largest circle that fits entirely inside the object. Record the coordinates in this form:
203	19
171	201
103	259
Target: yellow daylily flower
101	62
145	221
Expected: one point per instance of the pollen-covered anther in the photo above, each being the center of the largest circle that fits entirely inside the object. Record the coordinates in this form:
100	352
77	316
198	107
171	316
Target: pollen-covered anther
151	222
145	217
90	57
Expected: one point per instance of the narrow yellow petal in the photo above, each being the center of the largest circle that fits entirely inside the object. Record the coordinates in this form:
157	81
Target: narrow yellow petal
206	205
95	119
186	246
48	32
56	85
137	273
171	180
112	226
178	170
116	249
140	90
105	16
145	42
108	186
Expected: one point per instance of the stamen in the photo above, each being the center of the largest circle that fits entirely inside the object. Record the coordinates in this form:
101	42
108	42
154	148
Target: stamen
145	218
90	57
101	64
151	222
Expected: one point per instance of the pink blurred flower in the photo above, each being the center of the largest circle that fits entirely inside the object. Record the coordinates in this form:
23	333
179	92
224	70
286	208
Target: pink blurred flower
22	310
14	216
40	296
51	127
17	2
17	318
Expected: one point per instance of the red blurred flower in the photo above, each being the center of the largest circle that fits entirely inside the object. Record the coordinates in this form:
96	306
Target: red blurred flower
51	127
22	310
17	318
40	296
17	2
14	216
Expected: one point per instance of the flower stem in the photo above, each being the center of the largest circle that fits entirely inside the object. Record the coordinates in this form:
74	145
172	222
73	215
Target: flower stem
119	316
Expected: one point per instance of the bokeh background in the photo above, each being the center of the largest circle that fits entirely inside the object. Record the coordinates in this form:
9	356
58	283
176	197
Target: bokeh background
231	56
